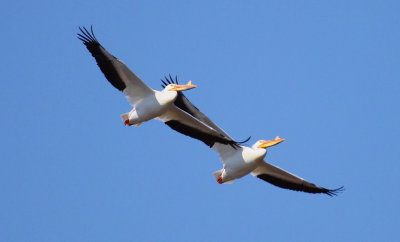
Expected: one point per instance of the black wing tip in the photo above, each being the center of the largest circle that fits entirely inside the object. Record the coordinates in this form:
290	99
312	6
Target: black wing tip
208	139
169	80
223	140
244	141
86	36
299	187
334	192
232	143
236	144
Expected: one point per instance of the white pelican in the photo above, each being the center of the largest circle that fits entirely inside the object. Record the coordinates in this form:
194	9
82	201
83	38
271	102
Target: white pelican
241	161
168	105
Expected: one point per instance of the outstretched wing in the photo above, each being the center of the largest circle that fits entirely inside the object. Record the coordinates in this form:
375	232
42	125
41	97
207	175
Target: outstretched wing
183	103
116	72
179	120
284	179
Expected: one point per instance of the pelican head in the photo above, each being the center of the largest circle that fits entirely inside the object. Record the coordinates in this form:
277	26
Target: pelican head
178	88
268	143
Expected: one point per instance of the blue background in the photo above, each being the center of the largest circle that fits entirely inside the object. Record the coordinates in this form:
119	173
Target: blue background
323	75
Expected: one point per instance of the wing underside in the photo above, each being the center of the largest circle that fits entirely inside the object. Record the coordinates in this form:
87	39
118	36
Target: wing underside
211	139
116	72
284	179
183	103
186	124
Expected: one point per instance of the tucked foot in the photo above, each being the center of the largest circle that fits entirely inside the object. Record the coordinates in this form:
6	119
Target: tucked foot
127	122
220	179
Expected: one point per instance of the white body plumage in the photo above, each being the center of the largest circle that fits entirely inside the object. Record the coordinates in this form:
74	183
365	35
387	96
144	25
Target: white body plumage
151	107
178	113
238	163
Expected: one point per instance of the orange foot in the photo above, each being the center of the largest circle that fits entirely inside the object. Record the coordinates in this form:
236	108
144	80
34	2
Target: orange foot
127	122
220	179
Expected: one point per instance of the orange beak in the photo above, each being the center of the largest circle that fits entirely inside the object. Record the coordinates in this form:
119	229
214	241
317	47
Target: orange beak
269	143
183	87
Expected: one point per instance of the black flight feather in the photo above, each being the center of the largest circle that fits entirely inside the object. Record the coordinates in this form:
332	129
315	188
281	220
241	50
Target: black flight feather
207	138
108	63
116	73
304	186
183	103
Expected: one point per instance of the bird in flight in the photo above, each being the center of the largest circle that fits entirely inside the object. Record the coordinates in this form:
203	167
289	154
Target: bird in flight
250	160
168	105
172	107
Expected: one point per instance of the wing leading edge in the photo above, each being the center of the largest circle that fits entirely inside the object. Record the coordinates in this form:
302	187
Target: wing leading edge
284	179
215	134
116	72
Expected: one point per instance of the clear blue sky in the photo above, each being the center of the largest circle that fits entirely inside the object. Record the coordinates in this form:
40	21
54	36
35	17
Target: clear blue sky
324	75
